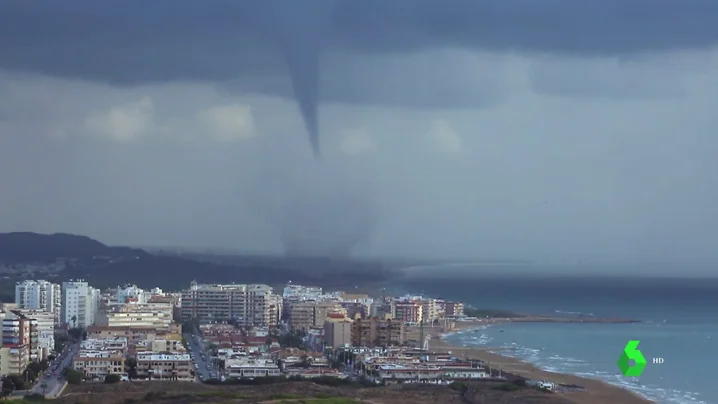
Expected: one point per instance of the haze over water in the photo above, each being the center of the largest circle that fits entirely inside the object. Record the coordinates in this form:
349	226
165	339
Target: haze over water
680	324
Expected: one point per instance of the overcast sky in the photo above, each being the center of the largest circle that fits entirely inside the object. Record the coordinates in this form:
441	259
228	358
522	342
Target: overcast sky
470	129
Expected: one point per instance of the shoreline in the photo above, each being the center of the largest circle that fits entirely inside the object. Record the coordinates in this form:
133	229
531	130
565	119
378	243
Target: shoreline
594	391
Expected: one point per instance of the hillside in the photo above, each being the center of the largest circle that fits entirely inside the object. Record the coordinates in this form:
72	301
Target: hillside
34	247
105	266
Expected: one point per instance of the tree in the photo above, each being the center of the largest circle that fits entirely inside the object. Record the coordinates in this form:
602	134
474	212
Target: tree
17	381
7	387
51	358
131	366
73	376
76	333
29	374
112	378
74	321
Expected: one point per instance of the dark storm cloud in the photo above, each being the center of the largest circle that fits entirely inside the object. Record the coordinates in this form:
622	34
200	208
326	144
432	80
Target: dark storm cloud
147	41
139	41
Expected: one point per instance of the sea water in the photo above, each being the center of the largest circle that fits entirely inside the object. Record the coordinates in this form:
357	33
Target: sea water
679	325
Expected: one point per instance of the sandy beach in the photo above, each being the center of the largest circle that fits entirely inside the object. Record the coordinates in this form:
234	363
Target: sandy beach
594	392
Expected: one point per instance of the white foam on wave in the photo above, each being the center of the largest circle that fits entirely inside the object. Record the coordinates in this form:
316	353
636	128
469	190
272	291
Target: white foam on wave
554	363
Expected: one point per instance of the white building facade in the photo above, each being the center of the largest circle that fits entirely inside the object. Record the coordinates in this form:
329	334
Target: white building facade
79	304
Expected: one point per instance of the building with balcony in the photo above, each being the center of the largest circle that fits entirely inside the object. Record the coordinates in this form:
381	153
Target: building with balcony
79	304
45	327
375	332
13	360
254	305
309	314
409	311
19	330
97	364
39	295
157	316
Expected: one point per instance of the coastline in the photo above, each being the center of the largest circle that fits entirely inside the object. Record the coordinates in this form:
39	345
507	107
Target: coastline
594	391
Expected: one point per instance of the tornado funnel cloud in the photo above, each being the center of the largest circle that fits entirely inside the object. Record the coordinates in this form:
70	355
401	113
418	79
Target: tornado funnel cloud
299	40
304	74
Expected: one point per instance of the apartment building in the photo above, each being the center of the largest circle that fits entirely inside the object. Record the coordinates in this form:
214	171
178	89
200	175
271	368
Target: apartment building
453	309
157	316
429	310
79	304
409	311
310	314
337	330
246	304
45	327
20	331
13	360
39	295
165	366
383	308
375	332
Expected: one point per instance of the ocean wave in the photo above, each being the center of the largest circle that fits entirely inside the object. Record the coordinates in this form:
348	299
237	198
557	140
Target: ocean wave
552	362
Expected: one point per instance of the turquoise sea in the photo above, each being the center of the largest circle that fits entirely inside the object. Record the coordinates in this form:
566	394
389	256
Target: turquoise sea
679	324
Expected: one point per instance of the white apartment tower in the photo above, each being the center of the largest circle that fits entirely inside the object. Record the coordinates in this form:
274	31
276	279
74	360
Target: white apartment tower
39	295
79	303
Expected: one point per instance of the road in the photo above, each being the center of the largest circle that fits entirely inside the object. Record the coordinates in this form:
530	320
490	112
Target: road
205	368
55	380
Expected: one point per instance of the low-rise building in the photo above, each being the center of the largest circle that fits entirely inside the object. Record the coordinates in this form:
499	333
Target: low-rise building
398	373
173	366
252	368
463	371
164	343
97	364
